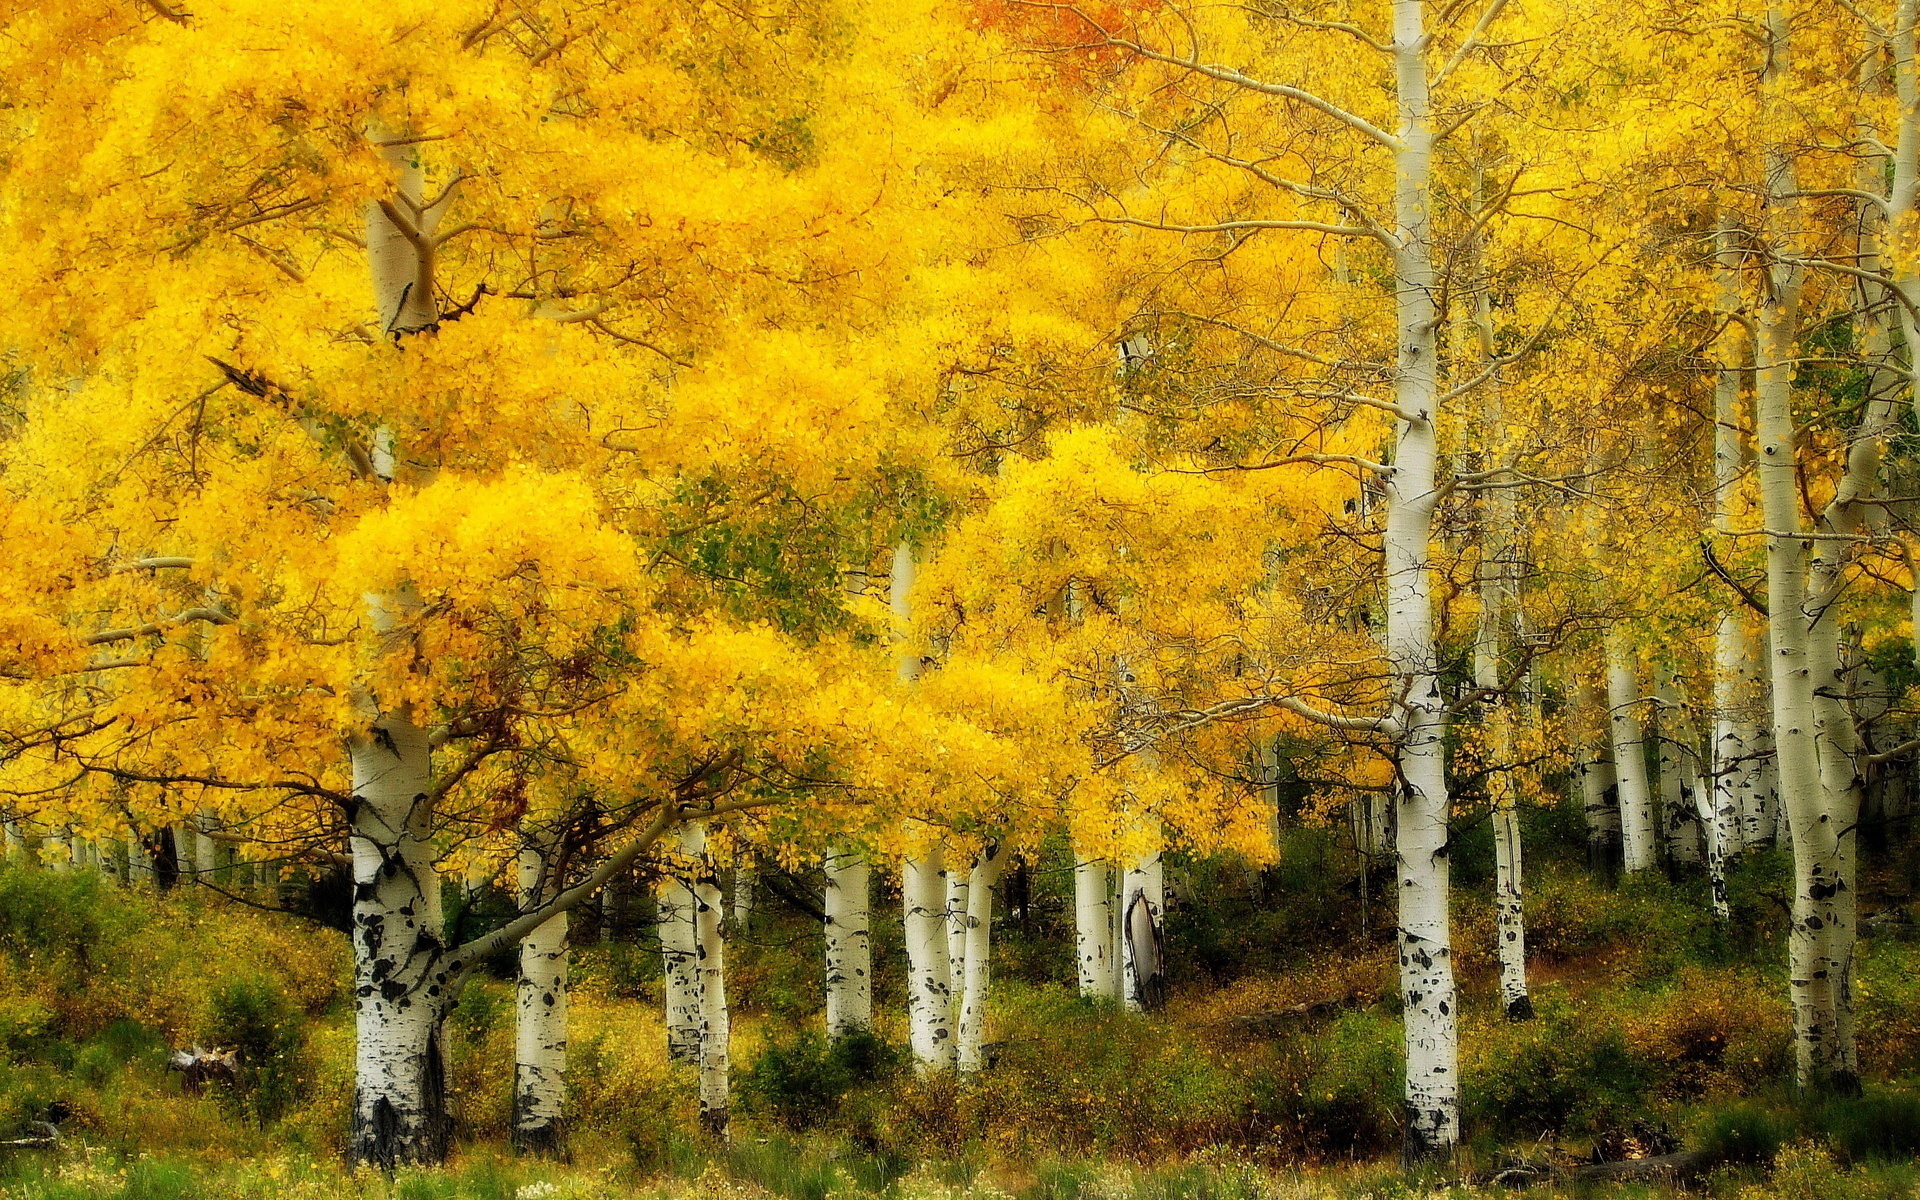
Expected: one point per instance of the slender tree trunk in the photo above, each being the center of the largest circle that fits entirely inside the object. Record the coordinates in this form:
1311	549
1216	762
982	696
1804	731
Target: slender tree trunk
923	893
1794	716
1093	925
400	989
1510	920
849	943
206	853
139	863
959	886
978	955
1736	767
1431	1003
680	965
540	1027
1638	838
923	883
1679	814
1599	787
742	895
716	1033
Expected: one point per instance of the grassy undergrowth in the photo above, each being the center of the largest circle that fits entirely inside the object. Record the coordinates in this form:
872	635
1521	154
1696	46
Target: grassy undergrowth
1273	1073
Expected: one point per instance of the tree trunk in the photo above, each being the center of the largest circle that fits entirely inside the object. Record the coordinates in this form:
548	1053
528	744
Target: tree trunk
1679	814
400	989
1510	921
206	854
540	1026
1599	788
1638	837
1794	716
1143	946
742	895
923	895
716	1032
1735	772
849	944
679	965
959	883
978	955
1422	806
1093	925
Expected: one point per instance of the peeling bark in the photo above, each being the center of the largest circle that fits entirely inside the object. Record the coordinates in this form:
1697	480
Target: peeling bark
1143	946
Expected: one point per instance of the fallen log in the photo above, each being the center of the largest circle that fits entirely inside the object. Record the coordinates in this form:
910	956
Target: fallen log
1681	1167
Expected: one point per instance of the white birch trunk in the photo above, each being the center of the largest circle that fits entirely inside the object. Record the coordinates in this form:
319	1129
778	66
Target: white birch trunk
1599	789
1509	904
979	957
182	853
206	853
1638	837
1735	773
1762	816
923	895
743	885
1736	766
849	949
1093	925
400	999
1794	717
1431	1009
715	1026
679	964
540	1015
1679	815
923	885
139	862
958	885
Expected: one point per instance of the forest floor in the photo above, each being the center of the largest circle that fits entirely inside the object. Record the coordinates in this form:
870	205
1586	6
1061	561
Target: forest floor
1272	1073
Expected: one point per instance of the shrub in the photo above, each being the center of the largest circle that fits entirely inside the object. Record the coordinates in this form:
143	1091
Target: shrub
253	1017
1561	1073
803	1082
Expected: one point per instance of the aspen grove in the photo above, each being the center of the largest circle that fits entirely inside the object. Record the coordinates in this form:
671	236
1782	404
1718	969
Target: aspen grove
892	514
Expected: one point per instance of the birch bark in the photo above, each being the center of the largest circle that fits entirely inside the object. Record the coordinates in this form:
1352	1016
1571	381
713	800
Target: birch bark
679	967
1796	754
923	885
716	1033
400	995
1638	840
540	1027
978	956
1093	925
923	892
1422	805
1599	788
849	950
1510	921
